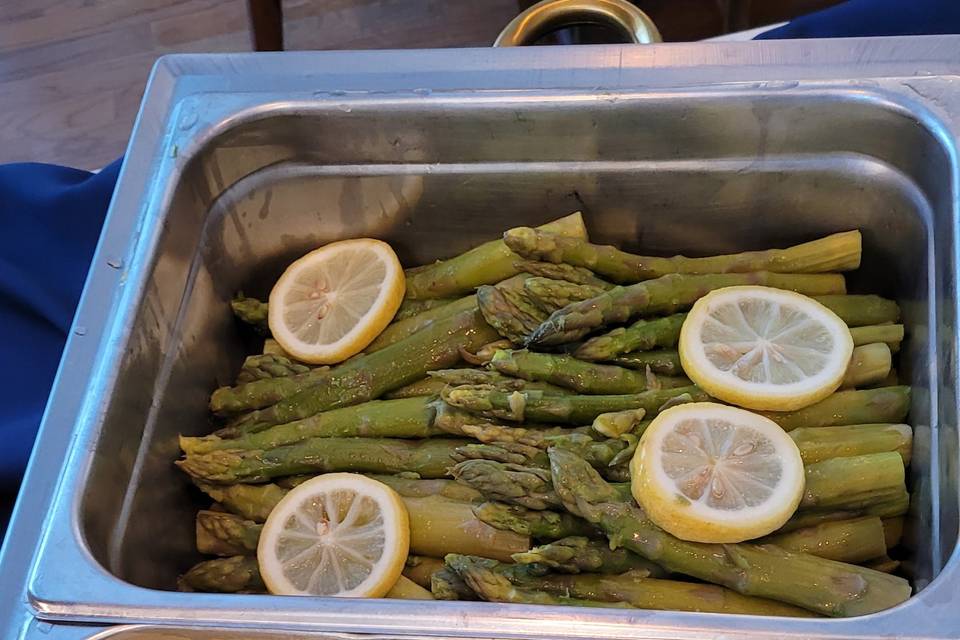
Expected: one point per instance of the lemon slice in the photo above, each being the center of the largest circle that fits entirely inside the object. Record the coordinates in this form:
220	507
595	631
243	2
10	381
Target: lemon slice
764	348
339	534
332	302
707	472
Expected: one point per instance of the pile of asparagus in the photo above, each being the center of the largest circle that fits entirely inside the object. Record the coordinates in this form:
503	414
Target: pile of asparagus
504	404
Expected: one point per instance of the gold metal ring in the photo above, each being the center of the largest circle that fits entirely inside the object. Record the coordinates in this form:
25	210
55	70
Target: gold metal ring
549	15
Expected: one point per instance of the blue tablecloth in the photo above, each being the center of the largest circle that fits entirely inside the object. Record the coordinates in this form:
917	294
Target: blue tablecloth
51	217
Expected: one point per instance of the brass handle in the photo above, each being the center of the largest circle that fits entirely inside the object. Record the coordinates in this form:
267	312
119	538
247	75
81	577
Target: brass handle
549	15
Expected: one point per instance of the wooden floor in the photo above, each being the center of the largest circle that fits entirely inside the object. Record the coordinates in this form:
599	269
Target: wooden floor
72	72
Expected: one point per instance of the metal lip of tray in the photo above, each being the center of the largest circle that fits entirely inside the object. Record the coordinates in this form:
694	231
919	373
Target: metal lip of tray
868	126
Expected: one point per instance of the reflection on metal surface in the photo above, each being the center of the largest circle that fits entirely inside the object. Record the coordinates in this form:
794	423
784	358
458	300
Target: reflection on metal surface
549	15
278	160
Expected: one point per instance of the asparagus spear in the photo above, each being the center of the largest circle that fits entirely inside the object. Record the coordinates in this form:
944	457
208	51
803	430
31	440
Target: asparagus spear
821	443
549	295
514	484
460	377
224	575
884	564
580	376
664	295
890	507
853	482
251	311
446	584
837	252
425	387
535	406
479	577
853	541
618	423
642	335
560	271
884	404
500	434
272	348
504	583
226	534
861	310
420	569
430	458
264	366
869	364
511	316
440	522
578	554
407	589
409	308
253	502
663	361
539	524
490	262
817	584
891	334
400	329
361	379
406	418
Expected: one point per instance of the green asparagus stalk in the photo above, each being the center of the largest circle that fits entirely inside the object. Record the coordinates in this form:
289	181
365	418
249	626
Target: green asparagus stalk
498	434
361	379
891	334
642	335
489	263
226	534
420	569
549	295
837	252
853	482
853	541
430	458
224	575
535	406
577	375
251	501
884	404
665	295
514	484
409	308
446	584
861	310
264	366
460	377
504	583
252	312
578	554
272	348
816	584
406	589
506	452
407	486
822	443
479	576
892	531
425	387
528	487
663	361
890	507
539	524
869	364
511	313
406	418
560	271
401	329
